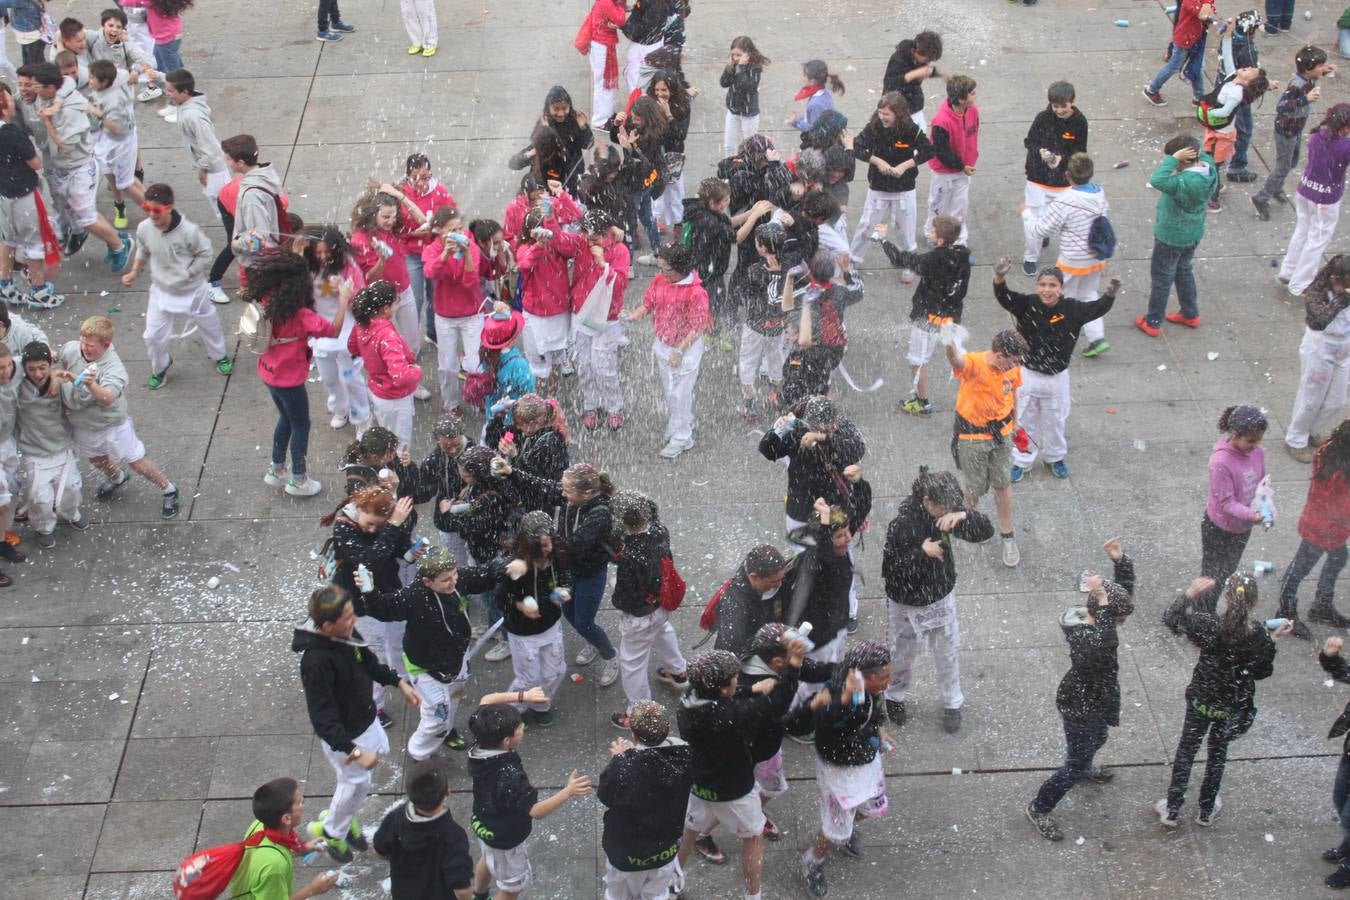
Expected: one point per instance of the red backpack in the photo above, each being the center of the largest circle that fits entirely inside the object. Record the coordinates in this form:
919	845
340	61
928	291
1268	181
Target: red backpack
206	874
708	619
671	593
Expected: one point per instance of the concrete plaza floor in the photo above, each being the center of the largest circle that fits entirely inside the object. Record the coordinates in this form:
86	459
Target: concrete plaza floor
143	708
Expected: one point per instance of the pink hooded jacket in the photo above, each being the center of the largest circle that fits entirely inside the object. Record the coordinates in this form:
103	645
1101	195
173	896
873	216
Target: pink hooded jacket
391	368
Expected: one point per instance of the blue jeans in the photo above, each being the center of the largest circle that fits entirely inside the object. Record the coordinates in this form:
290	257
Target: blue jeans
587	592
1083	743
643	201
1243	120
1280	13
167	57
1340	798
424	293
292	427
1174	65
1171	265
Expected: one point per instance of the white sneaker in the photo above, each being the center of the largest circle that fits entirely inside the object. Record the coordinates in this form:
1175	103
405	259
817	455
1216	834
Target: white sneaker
499	651
1011	556
171	116
306	488
609	673
275	477
218	294
148	93
338	421
1166	818
166	109
646	259
675	448
586	656
421	393
906	276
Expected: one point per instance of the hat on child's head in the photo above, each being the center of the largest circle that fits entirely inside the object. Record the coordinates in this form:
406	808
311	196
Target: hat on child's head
1247	23
498	334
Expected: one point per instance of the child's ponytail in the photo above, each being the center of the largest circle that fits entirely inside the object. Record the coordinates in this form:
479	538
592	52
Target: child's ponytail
817	71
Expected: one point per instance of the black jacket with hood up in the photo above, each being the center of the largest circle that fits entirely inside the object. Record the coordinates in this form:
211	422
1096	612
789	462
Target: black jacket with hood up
1089	693
646	792
502	798
711	237
911	576
428	855
812	471
337	676
637	576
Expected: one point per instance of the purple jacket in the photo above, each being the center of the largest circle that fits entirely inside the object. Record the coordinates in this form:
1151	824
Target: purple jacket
1323	178
1233	477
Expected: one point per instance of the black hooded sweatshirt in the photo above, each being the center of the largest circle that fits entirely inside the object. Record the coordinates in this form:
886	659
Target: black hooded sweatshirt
742	611
844	732
911	576
575	140
816	471
637	577
1089	693
1337	668
1062	137
536	583
483	523
710	237
438	624
428	855
824	577
378	552
944	278
646	792
502	798
584	528
742	84
769	740
894	145
646	21
1051	331
337	676
902	62
720	733
437	477
1223	683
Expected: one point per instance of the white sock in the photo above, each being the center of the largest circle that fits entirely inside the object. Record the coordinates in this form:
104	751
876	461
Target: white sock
172	488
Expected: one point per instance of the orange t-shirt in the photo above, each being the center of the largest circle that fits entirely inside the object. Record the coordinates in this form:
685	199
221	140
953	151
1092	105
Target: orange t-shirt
986	395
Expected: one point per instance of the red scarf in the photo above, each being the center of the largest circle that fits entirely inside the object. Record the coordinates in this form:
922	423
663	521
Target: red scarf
809	91
611	76
290	840
51	247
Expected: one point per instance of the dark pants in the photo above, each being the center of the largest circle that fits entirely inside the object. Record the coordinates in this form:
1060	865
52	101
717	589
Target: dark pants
292	427
1279	13
33	53
718	302
1304	560
226	255
328	14
587	592
1220	553
1171	265
1340	798
1243	121
643	200
1083	743
1221	733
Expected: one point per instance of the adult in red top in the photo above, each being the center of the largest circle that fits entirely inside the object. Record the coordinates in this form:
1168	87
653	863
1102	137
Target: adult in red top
1324	527
1193	19
605	20
678	305
280	284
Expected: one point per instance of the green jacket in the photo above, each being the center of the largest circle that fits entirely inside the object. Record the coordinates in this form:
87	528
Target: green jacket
1182	208
267	871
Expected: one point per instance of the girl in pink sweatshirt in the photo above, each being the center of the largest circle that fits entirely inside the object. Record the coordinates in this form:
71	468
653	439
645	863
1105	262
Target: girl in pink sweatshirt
454	270
377	245
557	203
597	254
544	296
392	373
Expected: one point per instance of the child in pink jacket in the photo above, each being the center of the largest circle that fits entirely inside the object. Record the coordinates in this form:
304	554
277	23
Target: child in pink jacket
392	373
557	203
454	270
598	252
544	296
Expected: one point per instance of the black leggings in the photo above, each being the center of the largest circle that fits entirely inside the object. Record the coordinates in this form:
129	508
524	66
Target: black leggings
226	255
1220	553
1221	732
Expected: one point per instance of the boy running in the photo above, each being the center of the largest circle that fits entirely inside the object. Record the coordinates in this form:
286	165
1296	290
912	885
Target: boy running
50	476
194	123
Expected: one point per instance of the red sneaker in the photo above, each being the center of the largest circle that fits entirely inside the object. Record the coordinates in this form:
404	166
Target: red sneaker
1179	319
1142	324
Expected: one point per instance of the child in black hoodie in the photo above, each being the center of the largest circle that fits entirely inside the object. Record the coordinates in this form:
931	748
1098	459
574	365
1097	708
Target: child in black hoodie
644	789
849	743
720	728
707	231
505	804
428	852
944	277
645	624
1057	133
893	147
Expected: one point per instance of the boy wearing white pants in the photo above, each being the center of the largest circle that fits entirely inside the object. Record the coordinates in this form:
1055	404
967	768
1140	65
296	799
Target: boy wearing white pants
337	678
179	255
419	17
115	143
956	148
50	475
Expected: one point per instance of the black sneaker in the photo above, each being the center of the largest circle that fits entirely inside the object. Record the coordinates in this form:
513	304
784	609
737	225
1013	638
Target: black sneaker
108	488
1154	97
1326	614
169	508
1281	197
535	719
46	540
1340	879
385	719
708	849
895	711
75	242
355	839
1047	826
6	581
951	720
78	523
1101	775
1242	176
1334	854
771	831
1262	207
1300	630
10	552
854	848
852	625
1028	268
814	876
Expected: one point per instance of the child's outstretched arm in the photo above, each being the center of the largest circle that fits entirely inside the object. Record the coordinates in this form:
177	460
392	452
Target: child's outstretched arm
577	786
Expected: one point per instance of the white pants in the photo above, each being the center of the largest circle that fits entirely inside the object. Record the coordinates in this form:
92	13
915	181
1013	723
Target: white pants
353	782
341	375
944	642
161	310
396	415
537	661
761	351
738	129
53	488
75	194
598	367
419	17
832	651
678	385
1323	372
116	157
1085	287
440	702
919	120
6	67
1313	231
1043	409
386	639
795	524
602	98
632	66
1036	197
897	207
650	884
668	209
949	195
456	349
405	320
544	342
9	472
638	636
